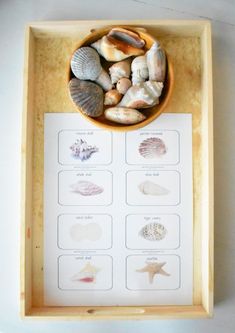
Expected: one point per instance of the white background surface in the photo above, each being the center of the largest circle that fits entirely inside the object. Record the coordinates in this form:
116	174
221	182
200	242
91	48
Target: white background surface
13	17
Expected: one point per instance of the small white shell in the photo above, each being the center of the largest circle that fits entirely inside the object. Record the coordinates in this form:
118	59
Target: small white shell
124	115
139	70
156	61
85	65
153	147
123	85
119	70
150	188
86	188
153	232
115	50
112	97
88	96
145	94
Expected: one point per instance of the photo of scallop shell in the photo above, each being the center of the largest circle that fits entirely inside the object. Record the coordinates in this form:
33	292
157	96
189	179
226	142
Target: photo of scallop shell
89	231
86	188
150	188
82	151
153	147
86	275
153	232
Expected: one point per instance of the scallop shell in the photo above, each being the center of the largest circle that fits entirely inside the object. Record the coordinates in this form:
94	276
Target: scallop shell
112	97
153	232
119	70
88	97
123	85
151	188
145	94
156	61
153	147
86	188
124	115
115	50
82	151
139	69
85	65
127	36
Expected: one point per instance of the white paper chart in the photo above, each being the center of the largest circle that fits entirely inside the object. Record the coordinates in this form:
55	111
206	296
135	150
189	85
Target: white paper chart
118	213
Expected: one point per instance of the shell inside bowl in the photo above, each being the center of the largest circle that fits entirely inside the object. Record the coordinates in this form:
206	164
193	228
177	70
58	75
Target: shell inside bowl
150	113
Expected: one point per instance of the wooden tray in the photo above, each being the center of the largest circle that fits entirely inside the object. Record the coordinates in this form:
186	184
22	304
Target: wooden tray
189	45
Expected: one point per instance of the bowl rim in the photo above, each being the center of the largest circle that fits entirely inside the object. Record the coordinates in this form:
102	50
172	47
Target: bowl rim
116	126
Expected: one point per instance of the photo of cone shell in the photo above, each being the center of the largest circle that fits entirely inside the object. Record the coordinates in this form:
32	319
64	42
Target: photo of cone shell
87	96
85	65
153	232
150	188
86	188
82	151
153	147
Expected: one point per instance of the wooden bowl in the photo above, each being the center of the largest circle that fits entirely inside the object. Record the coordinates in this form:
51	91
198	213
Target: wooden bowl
150	113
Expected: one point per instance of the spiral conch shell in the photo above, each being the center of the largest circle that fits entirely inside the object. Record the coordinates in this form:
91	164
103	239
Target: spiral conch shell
88	96
156	61
119	70
139	69
115	50
145	94
124	115
85	65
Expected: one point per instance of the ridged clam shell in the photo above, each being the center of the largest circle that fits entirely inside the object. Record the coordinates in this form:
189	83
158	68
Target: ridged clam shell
85	64
88	96
119	70
82	151
151	188
124	115
152	147
145	94
86	188
127	36
153	232
156	61
115	50
139	69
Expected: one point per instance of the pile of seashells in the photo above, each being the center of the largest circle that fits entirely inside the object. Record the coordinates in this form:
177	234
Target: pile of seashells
135	80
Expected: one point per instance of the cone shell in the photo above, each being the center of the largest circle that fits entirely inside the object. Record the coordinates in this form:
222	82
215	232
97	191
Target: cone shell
156	61
85	64
153	232
124	115
119	70
115	50
153	147
127	36
139	70
87	96
86	188
145	94
151	188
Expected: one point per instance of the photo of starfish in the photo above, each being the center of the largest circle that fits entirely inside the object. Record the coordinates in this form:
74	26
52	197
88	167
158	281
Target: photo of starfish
153	268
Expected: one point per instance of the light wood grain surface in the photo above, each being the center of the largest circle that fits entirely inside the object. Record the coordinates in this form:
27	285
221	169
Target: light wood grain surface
14	15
